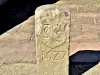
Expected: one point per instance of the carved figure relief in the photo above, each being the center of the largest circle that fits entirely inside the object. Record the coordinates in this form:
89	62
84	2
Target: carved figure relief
53	29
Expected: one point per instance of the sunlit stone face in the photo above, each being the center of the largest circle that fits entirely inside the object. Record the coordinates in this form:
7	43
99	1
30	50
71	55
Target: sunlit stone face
53	28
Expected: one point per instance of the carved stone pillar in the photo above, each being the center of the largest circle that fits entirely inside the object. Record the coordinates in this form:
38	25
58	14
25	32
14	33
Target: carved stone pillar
52	26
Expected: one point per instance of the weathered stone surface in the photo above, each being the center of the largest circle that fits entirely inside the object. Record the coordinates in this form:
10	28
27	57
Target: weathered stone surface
18	44
84	34
93	71
60	3
83	2
85	23
52	39
18	69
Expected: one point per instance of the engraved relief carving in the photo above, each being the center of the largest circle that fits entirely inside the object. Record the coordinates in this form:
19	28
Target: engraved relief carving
53	29
53	55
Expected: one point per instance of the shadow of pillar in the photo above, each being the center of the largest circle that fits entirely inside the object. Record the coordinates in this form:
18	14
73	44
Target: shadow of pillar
82	61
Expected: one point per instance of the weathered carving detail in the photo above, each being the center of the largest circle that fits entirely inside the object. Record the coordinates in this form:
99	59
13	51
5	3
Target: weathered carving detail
52	40
52	31
52	55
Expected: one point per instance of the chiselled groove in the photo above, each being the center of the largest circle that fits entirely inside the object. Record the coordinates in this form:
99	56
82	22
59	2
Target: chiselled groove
55	46
49	55
41	58
18	62
46	24
19	28
31	37
55	56
95	19
64	54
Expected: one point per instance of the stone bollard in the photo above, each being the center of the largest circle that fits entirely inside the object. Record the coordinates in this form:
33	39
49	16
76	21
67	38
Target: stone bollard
52	25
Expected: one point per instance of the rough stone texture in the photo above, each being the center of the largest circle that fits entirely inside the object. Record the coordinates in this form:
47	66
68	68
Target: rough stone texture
18	69
93	71
85	21
52	39
85	15
18	44
82	2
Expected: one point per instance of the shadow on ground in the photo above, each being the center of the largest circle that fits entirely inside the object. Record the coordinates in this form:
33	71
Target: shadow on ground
13	12
82	61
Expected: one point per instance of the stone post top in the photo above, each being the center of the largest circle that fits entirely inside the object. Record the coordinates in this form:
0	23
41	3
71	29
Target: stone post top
51	6
52	27
40	10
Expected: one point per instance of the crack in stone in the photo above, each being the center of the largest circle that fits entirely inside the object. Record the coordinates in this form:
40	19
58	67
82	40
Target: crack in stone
19	28
31	37
27	62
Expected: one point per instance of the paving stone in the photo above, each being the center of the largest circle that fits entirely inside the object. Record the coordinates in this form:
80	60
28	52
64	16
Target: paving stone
18	44
18	69
52	39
